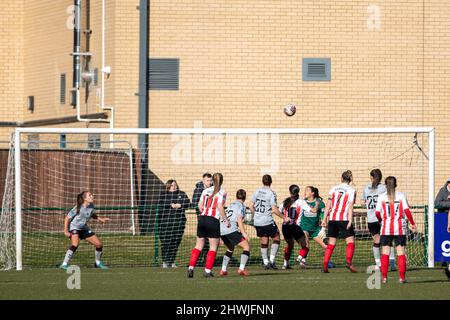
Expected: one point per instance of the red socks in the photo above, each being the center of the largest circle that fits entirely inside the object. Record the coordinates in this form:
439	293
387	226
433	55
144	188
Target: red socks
384	265
210	258
327	256
349	252
287	252
194	257
304	252
401	260
401	266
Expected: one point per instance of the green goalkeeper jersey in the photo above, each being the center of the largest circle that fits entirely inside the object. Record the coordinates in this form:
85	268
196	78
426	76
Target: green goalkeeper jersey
311	221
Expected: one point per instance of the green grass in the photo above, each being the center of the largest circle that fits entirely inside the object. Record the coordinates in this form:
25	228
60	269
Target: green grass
158	283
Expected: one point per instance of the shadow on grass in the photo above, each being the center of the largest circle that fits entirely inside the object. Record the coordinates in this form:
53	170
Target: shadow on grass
430	281
274	273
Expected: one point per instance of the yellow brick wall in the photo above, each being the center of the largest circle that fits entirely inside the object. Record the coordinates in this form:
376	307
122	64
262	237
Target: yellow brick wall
240	63
244	58
11	61
49	43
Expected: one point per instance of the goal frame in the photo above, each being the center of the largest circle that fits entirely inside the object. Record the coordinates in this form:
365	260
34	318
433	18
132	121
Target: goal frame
305	131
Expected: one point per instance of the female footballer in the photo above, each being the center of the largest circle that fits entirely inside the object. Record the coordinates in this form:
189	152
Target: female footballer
235	235
211	205
76	228
393	212
291	209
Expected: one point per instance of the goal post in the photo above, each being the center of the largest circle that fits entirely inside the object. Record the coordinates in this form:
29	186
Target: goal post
348	133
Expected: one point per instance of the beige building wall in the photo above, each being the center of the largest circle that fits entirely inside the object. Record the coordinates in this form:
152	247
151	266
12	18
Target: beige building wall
240	63
49	44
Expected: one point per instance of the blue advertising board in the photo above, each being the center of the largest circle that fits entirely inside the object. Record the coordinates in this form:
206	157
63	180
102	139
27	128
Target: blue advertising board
441	238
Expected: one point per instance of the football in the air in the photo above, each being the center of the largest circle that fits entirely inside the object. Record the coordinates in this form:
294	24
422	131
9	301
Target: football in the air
290	110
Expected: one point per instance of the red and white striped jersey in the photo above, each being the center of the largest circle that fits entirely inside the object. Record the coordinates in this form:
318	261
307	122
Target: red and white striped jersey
341	196
393	215
294	212
211	203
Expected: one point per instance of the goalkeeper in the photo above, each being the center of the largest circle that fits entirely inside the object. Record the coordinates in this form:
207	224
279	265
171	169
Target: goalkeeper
76	228
310	222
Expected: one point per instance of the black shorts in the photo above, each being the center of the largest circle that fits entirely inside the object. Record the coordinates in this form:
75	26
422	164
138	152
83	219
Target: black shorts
83	234
208	227
233	239
267	231
292	231
386	241
374	228
340	227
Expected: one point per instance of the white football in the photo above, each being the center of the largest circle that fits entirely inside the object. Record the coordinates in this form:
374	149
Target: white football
290	110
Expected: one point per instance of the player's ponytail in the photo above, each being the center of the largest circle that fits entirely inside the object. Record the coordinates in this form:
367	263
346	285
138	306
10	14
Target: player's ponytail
391	184
376	176
347	176
80	200
294	191
218	180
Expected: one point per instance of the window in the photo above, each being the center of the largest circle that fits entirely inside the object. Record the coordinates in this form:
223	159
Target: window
33	141
31	104
164	74
62	141
316	69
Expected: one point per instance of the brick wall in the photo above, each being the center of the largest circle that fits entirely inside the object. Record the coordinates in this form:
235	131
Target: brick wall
240	63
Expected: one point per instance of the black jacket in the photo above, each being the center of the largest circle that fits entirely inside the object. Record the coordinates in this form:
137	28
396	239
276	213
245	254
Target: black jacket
199	187
442	202
167	198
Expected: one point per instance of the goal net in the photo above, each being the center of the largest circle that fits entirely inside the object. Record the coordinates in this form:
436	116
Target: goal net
130	178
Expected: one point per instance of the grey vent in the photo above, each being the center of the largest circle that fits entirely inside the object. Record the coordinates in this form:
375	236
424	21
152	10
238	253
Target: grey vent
164	74
316	69
62	89
33	141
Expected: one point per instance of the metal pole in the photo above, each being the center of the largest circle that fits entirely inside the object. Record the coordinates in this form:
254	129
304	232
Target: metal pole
133	226
431	168
143	118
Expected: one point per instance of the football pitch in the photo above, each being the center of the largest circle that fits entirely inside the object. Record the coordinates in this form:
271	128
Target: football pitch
173	284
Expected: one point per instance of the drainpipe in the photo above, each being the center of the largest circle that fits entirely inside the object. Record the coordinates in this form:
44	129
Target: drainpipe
77	58
77	62
143	119
106	70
